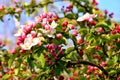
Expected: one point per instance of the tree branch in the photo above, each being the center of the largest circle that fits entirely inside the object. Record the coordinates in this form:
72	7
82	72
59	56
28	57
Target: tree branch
89	63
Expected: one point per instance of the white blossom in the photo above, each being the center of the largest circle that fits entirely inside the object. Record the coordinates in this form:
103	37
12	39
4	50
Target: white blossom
51	31
29	42
86	16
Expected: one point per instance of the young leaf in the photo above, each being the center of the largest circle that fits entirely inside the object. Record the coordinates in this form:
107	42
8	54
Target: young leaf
42	60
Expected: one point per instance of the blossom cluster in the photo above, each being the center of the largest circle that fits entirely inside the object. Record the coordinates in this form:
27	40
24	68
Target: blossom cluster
28	35
33	33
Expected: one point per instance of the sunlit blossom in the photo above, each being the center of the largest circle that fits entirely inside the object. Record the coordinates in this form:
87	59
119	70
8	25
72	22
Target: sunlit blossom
87	16
53	24
29	42
50	29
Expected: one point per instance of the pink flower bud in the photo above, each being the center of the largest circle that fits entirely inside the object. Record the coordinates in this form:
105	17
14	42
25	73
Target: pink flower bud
50	14
44	15
100	29
97	47
59	35
103	64
80	40
95	2
74	33
113	32
14	51
65	23
105	11
72	27
22	51
33	33
70	6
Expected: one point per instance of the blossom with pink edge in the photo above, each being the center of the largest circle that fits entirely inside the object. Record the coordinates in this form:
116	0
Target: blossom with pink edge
87	17
50	29
30	41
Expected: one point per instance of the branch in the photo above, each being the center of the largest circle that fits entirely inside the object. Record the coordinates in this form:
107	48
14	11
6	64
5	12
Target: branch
89	63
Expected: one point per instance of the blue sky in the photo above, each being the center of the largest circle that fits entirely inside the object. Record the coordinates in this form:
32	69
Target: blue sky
111	6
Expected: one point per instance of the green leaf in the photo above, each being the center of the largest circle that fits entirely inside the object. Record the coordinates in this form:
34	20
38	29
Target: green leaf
30	62
70	49
71	16
59	68
42	60
115	36
59	29
113	60
80	9
38	50
63	40
82	31
18	66
12	59
16	71
6	77
39	25
103	24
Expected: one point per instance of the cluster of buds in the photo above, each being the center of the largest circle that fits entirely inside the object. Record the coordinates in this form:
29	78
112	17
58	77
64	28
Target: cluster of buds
93	70
97	48
28	36
54	52
46	18
116	30
48	21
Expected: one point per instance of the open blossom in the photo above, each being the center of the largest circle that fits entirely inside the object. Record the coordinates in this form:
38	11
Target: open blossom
29	42
50	29
87	16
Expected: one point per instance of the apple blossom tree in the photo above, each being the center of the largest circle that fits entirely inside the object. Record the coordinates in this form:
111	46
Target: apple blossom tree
81	45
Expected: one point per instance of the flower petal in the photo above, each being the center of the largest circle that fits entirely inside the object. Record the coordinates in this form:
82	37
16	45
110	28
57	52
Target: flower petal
53	24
